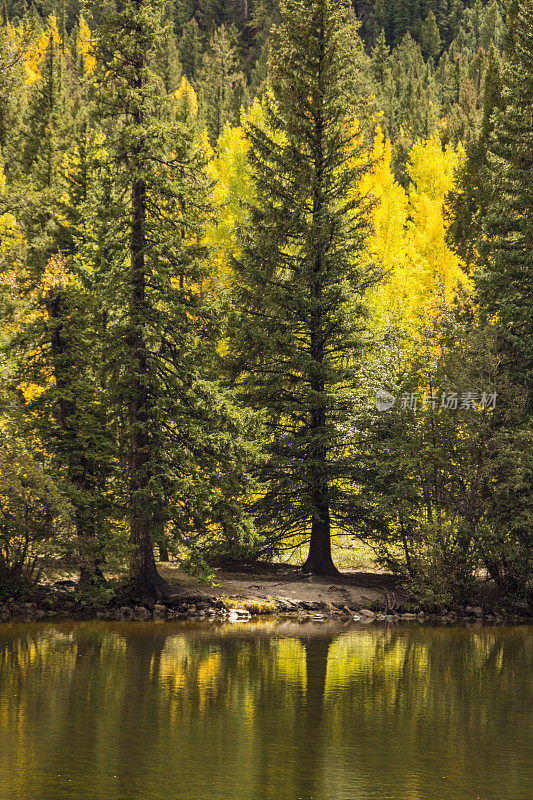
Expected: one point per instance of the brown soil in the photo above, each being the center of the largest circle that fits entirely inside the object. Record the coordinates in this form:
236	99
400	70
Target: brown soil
286	582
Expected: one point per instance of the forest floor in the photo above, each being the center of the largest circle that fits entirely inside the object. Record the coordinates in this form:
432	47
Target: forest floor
285	582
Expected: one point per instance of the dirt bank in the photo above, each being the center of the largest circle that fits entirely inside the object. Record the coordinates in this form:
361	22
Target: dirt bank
284	582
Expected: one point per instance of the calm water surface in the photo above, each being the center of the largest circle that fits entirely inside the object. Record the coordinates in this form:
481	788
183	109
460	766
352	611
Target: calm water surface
147	711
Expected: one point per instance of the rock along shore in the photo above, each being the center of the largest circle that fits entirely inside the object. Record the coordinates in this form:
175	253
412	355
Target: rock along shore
213	608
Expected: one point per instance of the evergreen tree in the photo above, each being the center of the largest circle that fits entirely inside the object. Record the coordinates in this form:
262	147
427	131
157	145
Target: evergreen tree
506	244
259	76
380	57
183	13
127	91
412	102
442	19
381	17
12	94
190	49
161	336
469	201
210	14
303	274
222	84
430	41
59	357
80	330
45	117
454	21
167	63
57	342
401	18
491	27
491	228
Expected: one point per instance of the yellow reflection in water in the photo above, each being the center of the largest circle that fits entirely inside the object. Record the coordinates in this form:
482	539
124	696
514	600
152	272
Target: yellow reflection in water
264	713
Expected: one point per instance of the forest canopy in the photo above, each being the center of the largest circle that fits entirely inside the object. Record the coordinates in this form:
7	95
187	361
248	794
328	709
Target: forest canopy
265	281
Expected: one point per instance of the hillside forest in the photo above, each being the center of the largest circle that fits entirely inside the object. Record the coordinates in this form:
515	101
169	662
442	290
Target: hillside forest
265	283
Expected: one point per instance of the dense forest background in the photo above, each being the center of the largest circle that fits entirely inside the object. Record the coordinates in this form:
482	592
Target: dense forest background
224	226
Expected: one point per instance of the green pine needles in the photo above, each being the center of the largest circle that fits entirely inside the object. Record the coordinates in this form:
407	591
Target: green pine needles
506	244
301	281
179	431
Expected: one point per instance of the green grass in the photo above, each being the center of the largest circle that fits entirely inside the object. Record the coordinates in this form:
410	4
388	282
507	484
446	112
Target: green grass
255	606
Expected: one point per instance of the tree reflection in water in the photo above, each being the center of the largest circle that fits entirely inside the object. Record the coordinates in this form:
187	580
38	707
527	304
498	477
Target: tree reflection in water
264	712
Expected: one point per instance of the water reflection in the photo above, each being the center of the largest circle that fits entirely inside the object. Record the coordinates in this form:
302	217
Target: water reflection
264	712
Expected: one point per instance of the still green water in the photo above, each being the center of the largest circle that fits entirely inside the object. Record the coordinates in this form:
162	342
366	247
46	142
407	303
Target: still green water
148	711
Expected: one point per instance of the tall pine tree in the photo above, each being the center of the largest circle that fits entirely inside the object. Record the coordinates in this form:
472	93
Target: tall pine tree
506	244
180	433
303	274
222	84
469	201
140	160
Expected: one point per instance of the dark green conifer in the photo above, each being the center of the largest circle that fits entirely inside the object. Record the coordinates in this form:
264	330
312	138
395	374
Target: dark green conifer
167	62
259	76
430	41
303	275
45	119
380	57
175	426
222	83
506	245
183	13
468	203
190	49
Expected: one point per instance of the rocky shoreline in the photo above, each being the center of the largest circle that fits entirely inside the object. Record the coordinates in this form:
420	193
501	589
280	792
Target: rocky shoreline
213	608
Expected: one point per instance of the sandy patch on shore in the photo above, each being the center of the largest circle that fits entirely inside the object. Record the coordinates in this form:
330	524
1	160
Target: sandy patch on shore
285	582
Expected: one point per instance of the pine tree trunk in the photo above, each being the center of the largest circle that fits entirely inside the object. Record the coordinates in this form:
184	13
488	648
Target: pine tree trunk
145	579
319	561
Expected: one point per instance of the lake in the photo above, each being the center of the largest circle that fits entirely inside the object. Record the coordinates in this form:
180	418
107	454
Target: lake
265	711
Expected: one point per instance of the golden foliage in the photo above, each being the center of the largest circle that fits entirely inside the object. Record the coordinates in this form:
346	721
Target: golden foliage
84	47
34	54
409	237
186	99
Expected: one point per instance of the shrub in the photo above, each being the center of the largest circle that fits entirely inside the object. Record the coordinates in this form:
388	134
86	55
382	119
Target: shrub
33	513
